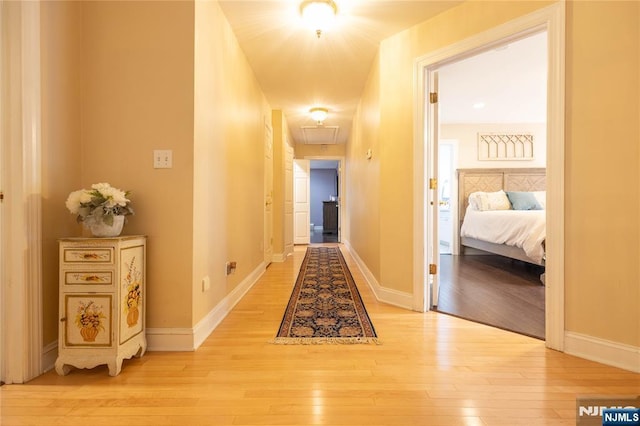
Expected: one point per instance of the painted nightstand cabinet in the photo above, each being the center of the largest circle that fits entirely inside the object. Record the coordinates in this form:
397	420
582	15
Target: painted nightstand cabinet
101	302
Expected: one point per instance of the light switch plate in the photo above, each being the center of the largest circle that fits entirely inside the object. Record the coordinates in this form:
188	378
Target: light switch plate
162	159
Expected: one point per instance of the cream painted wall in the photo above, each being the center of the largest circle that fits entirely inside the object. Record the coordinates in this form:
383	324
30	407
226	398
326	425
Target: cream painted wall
137	96
363	183
230	117
333	150
467	137
601	135
602	164
171	77
61	172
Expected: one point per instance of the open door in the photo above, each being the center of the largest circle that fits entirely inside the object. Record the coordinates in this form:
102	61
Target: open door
301	202
432	207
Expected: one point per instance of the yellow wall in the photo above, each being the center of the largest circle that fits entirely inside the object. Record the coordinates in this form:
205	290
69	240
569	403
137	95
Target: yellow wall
363	184
137	96
61	148
601	135
230	116
602	163
121	79
393	89
332	150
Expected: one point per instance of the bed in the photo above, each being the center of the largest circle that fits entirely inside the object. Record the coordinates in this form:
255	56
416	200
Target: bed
486	224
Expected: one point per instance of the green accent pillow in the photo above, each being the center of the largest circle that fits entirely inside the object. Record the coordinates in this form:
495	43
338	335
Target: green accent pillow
523	201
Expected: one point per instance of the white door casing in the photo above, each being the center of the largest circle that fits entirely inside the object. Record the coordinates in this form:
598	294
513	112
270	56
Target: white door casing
433	243
301	202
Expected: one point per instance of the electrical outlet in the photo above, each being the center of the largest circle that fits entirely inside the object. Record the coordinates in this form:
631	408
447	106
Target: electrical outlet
162	159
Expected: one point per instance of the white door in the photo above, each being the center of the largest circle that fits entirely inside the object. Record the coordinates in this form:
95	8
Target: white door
288	199
268	194
301	202
433	242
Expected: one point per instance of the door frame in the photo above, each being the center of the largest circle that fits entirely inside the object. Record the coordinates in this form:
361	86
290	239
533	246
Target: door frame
341	187
307	236
551	19
21	244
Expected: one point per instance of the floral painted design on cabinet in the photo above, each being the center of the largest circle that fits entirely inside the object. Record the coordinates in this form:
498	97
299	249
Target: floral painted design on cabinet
91	320
131	281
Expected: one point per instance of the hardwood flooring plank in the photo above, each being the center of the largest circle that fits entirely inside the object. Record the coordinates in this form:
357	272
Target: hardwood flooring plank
493	290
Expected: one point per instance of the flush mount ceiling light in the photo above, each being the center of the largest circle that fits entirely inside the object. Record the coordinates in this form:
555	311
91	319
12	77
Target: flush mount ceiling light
318	14
319	114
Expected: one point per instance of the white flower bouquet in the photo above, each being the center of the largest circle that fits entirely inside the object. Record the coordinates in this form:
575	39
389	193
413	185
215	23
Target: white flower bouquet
100	204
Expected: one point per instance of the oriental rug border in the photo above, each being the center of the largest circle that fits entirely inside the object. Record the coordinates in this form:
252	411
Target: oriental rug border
325	306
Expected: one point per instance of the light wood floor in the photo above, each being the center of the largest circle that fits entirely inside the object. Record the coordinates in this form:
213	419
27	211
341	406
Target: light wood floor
431	369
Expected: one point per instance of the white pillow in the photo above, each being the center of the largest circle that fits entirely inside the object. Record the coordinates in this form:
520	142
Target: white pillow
484	201
541	197
474	201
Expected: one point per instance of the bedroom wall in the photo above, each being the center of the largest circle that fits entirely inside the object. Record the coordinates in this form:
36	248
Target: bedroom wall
60	35
467	137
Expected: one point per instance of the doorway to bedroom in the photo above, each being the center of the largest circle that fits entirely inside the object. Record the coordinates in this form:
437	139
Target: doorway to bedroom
492	113
324	206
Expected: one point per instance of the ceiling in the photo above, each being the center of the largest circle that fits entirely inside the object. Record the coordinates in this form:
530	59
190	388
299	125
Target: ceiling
510	81
297	70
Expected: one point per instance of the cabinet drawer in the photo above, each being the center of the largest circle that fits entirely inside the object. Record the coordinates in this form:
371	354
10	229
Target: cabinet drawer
87	255
88	277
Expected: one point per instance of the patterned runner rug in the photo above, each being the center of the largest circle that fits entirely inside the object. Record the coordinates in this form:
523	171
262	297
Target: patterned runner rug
325	305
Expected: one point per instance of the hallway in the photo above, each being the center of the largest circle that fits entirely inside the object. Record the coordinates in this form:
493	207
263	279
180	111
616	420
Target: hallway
430	369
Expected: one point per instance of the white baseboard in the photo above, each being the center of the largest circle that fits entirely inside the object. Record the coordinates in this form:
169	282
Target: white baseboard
606	352
279	257
49	355
383	294
190	339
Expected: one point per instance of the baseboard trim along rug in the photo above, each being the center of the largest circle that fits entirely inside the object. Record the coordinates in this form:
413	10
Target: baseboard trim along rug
325	306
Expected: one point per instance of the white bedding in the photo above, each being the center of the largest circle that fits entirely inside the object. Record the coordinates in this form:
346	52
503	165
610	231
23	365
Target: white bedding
525	229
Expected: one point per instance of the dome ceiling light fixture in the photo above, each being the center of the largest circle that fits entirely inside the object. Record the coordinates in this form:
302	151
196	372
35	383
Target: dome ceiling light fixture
318	14
319	114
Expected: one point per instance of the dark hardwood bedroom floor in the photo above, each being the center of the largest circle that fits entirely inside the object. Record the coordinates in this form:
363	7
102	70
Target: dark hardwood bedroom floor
493	290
